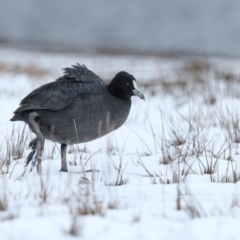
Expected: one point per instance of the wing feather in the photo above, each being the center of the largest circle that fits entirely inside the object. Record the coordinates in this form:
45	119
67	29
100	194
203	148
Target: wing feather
77	81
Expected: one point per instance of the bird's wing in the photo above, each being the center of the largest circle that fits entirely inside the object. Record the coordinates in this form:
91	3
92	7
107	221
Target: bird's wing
77	81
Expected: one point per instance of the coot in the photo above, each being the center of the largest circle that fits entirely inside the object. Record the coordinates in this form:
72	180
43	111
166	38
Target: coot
78	107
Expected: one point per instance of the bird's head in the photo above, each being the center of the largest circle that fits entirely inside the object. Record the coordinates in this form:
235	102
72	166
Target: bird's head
124	86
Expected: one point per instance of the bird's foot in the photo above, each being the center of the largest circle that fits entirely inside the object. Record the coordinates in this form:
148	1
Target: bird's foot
92	170
35	155
30	157
63	169
33	144
34	160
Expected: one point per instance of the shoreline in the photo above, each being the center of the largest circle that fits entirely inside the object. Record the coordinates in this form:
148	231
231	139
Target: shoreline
60	49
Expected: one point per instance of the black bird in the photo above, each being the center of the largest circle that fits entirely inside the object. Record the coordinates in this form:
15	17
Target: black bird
78	107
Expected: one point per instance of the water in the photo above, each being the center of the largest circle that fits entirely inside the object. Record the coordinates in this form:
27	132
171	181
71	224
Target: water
189	26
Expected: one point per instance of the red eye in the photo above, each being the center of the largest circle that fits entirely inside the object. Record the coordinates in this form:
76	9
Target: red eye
127	83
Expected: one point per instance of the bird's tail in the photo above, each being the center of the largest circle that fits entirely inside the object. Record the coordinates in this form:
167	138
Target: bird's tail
16	117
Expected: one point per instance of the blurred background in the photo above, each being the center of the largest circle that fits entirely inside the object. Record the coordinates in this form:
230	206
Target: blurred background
137	27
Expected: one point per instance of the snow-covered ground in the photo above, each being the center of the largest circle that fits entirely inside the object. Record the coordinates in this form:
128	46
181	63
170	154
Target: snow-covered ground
170	172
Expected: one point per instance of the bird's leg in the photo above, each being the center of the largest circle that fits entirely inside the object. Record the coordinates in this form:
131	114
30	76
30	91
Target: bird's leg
63	157
37	144
33	146
39	157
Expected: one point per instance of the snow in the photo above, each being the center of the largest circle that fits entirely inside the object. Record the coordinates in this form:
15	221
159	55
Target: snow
170	172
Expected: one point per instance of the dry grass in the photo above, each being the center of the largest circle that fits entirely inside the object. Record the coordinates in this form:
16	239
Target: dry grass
31	69
196	67
13	147
226	75
3	199
190	147
193	74
184	144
